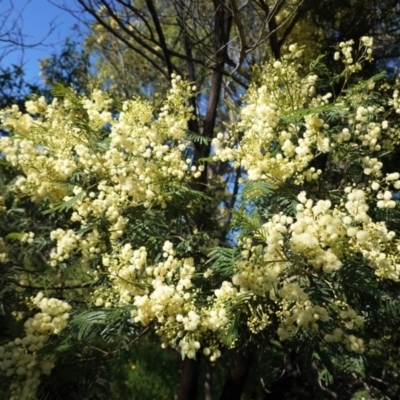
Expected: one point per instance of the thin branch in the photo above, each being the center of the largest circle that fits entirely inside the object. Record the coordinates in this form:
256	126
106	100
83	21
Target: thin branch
161	37
123	39
133	341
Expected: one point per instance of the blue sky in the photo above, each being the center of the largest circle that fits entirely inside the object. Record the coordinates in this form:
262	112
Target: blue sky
37	16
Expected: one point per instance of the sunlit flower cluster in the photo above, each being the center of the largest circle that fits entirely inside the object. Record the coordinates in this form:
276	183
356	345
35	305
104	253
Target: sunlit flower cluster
279	143
163	293
135	160
261	265
313	241
321	237
351	58
280	153
298	311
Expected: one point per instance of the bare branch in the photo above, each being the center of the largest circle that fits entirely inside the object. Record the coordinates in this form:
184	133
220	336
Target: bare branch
119	36
160	33
12	36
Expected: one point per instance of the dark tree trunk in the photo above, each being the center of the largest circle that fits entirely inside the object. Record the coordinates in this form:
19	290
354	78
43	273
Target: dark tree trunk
222	29
236	377
189	379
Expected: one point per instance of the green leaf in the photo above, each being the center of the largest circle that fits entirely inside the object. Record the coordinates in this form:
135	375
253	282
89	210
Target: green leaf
253	190
232	333
60	90
224	259
89	322
15	236
196	138
65	205
247	223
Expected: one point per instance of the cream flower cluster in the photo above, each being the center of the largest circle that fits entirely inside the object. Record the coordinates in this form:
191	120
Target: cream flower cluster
318	240
68	243
276	142
48	160
262	265
18	358
367	129
317	233
379	249
128	160
298	311
271	148
396	101
164	294
144	157
384	189
350	320
352	61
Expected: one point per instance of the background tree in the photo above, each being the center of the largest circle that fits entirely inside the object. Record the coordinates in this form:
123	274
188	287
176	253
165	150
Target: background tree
69	67
14	87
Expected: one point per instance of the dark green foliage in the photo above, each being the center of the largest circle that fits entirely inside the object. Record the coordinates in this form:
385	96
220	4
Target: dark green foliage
69	67
14	89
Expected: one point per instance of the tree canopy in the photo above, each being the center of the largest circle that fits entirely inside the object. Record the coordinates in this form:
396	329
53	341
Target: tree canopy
241	214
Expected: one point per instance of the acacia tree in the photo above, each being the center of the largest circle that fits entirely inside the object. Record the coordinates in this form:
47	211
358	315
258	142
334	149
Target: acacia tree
215	45
212	44
101	228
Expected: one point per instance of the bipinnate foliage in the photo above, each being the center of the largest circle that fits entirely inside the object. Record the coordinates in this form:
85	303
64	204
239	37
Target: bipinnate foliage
101	232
